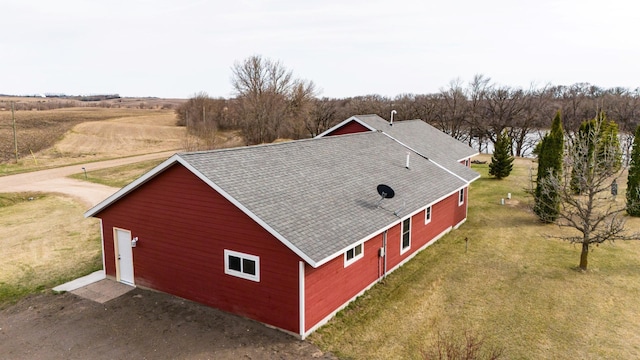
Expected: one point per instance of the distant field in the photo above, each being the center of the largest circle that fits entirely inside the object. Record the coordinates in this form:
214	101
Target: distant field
49	103
84	134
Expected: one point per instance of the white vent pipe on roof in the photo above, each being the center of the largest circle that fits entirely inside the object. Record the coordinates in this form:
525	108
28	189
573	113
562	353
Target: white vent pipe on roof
408	155
392	112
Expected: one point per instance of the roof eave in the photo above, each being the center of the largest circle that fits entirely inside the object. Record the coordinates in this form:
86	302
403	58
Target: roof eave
469	156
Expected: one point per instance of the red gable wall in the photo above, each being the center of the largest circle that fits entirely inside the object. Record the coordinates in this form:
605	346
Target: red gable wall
349	128
183	227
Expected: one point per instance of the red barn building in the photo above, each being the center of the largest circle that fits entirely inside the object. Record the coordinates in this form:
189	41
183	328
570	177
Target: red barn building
287	234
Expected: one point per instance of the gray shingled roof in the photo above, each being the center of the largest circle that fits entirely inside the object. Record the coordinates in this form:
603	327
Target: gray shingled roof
320	195
428	141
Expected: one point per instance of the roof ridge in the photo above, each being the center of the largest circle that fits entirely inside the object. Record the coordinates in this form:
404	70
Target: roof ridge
283	143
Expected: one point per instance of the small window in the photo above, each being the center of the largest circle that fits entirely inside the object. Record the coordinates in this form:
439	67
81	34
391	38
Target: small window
427	215
461	197
352	255
406	235
242	265
466	163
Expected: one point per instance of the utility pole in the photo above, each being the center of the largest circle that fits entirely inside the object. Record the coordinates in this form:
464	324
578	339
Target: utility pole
15	135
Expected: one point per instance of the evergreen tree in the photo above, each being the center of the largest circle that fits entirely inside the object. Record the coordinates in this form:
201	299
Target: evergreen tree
501	161
633	179
611	143
605	133
550	151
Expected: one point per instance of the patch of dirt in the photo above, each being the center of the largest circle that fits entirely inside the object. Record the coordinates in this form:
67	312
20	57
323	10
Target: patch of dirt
141	324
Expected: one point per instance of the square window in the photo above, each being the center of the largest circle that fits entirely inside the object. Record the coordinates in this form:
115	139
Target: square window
352	255
235	263
248	266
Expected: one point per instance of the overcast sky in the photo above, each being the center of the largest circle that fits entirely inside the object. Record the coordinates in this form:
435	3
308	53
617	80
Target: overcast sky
176	48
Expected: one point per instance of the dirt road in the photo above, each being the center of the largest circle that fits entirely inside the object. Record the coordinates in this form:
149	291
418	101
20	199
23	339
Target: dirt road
56	180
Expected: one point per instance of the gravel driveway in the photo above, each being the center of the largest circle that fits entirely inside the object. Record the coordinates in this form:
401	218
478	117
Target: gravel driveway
56	180
141	324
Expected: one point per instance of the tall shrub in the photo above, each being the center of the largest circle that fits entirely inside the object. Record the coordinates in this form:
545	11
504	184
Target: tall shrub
550	152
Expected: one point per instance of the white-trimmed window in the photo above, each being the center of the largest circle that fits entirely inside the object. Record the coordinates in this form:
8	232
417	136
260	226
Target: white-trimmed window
242	265
427	215
461	197
405	237
354	254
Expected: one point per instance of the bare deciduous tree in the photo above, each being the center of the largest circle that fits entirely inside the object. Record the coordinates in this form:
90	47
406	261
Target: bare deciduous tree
322	116
453	117
535	109
503	106
270	102
594	215
478	88
262	87
203	116
301	106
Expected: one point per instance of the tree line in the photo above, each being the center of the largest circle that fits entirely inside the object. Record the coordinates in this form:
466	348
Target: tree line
271	103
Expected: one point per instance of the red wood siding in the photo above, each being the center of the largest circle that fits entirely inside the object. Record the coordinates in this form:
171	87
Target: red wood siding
330	286
183	227
349	128
444	214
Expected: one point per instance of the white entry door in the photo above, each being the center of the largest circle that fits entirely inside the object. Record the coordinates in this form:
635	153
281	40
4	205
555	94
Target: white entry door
124	256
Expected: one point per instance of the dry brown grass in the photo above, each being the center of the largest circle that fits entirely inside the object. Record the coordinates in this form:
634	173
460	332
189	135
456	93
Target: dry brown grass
118	176
91	134
44	241
120	137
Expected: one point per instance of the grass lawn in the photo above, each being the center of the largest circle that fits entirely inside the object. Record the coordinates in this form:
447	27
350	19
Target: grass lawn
45	241
118	176
514	287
